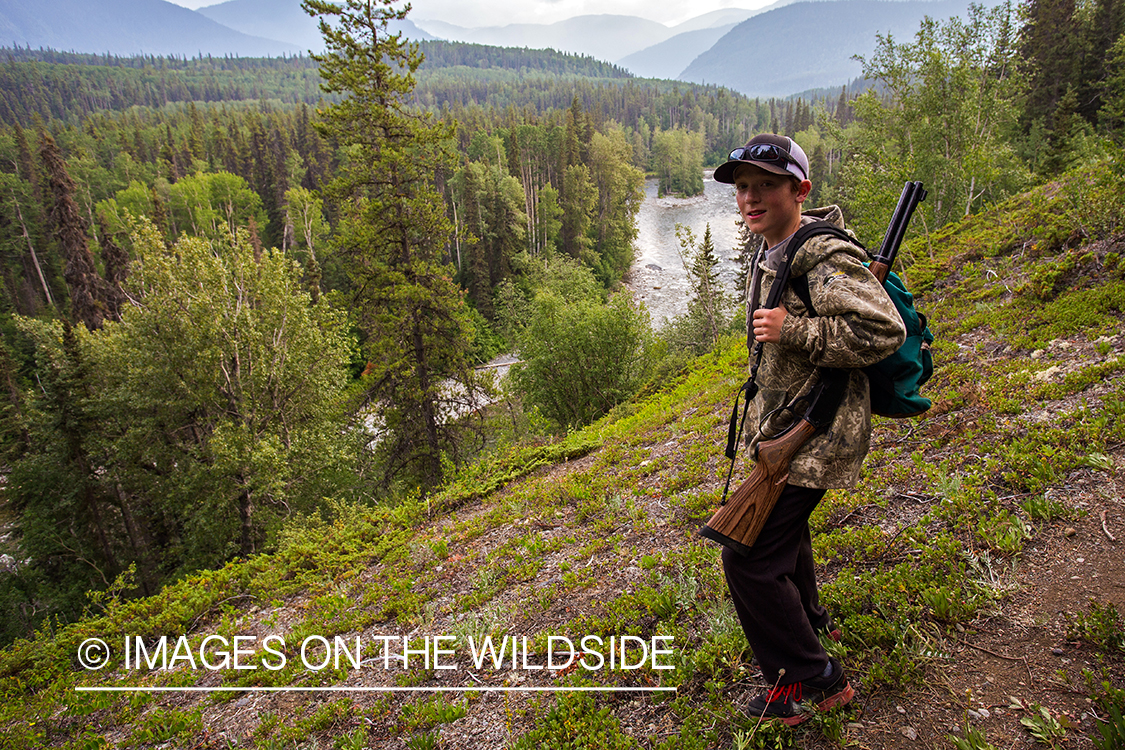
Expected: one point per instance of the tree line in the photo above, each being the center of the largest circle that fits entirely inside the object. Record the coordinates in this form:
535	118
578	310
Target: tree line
70	86
465	83
316	286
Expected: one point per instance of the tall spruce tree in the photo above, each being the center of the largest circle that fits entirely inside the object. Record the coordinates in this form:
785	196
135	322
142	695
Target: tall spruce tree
88	290
1049	40
1112	114
392	234
709	305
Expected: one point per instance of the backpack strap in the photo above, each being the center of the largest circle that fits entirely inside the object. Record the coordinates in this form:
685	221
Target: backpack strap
801	289
801	283
796	242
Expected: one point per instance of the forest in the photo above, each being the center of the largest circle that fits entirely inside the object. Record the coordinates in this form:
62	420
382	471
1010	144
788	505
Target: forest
240	295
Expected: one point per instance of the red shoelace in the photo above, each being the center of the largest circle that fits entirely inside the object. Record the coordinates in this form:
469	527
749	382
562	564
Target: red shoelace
791	692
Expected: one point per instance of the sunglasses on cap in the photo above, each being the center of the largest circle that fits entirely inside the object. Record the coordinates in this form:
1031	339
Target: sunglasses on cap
768	153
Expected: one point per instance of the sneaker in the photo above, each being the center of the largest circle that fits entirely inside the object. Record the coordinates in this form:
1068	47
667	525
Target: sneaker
785	702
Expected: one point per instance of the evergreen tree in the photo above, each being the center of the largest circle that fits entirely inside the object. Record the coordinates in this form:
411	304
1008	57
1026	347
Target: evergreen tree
578	200
1099	28
843	109
26	274
393	233
88	291
818	173
709	304
491	206
1049	45
1112	114
115	261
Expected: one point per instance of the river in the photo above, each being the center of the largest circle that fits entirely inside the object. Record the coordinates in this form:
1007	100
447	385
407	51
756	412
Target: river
658	277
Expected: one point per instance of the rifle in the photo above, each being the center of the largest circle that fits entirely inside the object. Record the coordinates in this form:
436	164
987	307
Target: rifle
737	523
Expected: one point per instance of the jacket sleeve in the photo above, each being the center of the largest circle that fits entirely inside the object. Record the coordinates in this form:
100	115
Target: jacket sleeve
855	322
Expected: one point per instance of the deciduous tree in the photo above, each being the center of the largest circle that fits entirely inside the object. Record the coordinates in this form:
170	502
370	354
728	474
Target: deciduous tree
621	188
953	105
581	358
188	431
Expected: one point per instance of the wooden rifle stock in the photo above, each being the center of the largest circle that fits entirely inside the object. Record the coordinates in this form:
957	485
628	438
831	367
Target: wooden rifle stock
737	523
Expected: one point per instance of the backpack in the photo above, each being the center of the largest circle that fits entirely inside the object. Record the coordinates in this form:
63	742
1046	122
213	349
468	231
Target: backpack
896	380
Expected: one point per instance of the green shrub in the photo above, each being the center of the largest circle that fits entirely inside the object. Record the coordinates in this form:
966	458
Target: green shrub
582	358
575	723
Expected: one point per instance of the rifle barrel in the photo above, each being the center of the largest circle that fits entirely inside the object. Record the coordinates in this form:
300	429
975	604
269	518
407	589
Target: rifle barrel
899	219
912	194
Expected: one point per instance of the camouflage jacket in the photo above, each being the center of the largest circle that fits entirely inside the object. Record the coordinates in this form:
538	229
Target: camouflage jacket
855	324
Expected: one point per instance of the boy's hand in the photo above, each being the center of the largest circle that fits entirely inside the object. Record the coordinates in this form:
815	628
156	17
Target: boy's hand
767	324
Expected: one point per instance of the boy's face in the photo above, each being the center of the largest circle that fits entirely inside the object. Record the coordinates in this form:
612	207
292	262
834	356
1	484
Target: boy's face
769	203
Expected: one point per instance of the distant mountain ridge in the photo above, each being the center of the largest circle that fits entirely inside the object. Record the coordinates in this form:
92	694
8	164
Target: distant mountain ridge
668	58
810	44
606	37
648	49
774	51
126	27
286	21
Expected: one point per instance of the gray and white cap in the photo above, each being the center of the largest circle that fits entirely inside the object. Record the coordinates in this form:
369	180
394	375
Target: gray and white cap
774	153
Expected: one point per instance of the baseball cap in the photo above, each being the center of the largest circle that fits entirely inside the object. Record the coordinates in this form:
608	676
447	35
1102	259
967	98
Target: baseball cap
774	153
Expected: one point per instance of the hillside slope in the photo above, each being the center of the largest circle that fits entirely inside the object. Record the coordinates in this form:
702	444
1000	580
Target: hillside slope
976	572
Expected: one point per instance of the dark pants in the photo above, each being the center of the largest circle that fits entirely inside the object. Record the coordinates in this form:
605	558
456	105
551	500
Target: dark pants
774	591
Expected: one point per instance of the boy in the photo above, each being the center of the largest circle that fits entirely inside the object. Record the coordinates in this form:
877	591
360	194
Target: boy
854	324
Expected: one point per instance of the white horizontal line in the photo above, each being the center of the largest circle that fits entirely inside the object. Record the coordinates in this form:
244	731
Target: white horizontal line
259	689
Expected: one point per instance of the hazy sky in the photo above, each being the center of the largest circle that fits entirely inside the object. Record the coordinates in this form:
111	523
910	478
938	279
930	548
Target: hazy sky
500	12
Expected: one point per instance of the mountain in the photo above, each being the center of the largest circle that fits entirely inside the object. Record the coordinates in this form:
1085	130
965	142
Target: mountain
669	58
127	27
808	44
285	20
725	17
605	37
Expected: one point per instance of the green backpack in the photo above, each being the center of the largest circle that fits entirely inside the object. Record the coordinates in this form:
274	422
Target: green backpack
896	380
